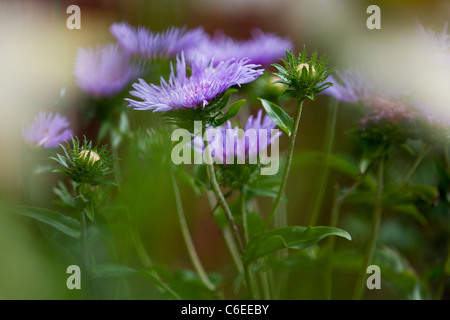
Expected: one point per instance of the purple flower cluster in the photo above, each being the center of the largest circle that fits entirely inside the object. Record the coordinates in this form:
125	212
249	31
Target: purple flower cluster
169	43
380	101
262	48
435	46
228	144
104	71
48	130
194	91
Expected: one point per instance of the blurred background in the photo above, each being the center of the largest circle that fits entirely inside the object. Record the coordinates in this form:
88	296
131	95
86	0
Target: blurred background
37	56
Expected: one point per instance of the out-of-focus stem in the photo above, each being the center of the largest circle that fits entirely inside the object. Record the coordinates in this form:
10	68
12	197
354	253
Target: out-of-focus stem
187	237
287	166
215	187
329	136
228	237
378	210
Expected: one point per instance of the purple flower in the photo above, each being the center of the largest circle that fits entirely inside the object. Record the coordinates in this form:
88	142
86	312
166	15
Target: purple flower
434	111
194	91
381	100
141	41
351	88
227	143
262	48
104	71
48	130
435	46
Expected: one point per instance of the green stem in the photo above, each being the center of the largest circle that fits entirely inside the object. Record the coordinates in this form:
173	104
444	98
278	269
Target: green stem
378	210
148	265
187	237
335	209
250	279
287	166
335	212
329	135
265	284
444	276
117	171
228	238
215	187
83	230
244	219
420	156
157	280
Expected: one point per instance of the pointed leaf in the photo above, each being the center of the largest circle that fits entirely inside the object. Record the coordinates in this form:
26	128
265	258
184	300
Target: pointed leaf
289	238
65	224
278	115
111	270
233	109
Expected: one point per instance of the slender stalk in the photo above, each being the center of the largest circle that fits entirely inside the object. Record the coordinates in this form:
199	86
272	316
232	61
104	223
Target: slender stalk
287	166
83	231
157	280
117	171
85	241
140	249
334	218
223	203
244	219
444	275
250	279
187	237
420	156
265	284
329	136
378	210
335	209
148	265
228	238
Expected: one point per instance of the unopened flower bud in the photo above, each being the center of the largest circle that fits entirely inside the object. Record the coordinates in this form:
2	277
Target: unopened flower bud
93	156
301	65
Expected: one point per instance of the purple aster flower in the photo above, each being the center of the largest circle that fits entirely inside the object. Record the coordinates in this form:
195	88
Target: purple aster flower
104	71
47	130
141	41
435	46
434	111
227	143
194	91
262	48
381	100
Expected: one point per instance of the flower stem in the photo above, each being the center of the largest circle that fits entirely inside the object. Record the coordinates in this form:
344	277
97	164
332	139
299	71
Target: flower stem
287	166
148	265
187	237
250	279
83	231
378	210
244	219
330	130
228	238
420	156
215	187
444	275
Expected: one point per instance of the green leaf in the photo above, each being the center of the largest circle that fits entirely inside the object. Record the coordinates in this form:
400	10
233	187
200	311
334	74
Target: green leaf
233	109
111	270
65	224
255	223
278	116
289	238
251	191
341	163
